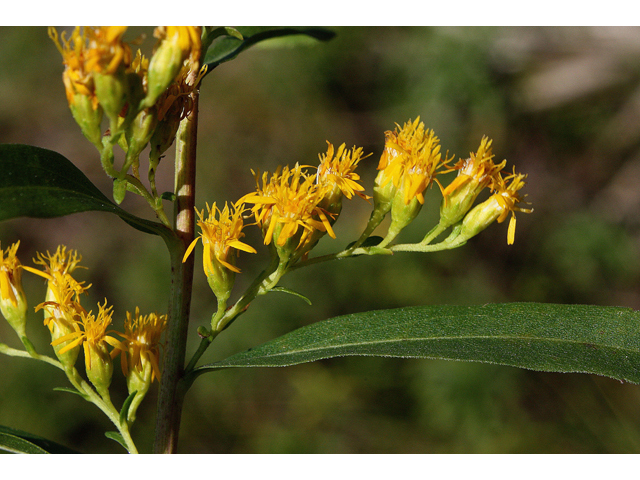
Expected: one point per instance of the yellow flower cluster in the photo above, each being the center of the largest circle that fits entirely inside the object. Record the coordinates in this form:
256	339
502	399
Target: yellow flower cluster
144	99
295	207
73	328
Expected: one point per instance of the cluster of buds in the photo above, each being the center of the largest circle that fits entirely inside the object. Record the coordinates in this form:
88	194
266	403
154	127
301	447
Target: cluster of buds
73	328
295	207
143	99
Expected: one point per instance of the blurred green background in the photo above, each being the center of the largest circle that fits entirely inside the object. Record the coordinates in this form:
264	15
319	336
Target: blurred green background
561	104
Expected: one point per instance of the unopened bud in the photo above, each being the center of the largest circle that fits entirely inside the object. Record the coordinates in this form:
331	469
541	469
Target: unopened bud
88	118
99	368
112	92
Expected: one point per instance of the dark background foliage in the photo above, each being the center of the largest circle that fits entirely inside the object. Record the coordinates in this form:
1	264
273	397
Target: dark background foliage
562	104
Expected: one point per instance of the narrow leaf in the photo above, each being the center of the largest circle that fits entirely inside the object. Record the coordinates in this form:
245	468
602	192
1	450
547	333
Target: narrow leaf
124	412
291	292
228	47
14	444
71	390
41	183
116	437
17	441
544	337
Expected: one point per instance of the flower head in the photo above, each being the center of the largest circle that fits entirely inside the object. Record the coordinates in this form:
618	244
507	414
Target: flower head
140	354
172	106
61	313
221	232
90	331
57	271
339	170
505	199
287	207
141	347
87	51
13	303
474	174
62	300
410	160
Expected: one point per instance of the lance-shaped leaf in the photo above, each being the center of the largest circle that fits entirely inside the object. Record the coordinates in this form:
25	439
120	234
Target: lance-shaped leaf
40	183
227	47
544	337
17	441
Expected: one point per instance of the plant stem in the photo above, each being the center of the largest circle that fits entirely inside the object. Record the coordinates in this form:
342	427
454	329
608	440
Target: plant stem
81	386
170	396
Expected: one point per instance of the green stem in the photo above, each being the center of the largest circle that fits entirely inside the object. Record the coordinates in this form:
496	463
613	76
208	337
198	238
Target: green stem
261	285
435	232
81	386
170	396
377	215
103	404
14	352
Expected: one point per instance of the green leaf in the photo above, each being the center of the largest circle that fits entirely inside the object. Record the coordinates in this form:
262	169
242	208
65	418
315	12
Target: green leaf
291	292
71	390
14	444
544	337
17	441
116	437
124	411
228	47
40	183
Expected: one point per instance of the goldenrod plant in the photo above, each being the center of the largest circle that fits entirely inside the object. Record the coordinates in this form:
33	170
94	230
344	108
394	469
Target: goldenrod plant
125	105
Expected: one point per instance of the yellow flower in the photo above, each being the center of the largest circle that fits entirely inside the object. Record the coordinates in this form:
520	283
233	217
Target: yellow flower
505	199
60	319
287	209
187	40
338	170
13	303
57	271
87	51
140	354
219	235
10	275
141	347
474	174
410	160
90	331
62	300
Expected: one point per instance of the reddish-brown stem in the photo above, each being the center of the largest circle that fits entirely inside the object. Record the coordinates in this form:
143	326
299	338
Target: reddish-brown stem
171	396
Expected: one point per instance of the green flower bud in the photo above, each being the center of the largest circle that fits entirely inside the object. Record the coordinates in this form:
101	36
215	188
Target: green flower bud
402	214
178	44
138	381
479	218
59	327
383	193
88	118
99	367
112	91
163	136
139	134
